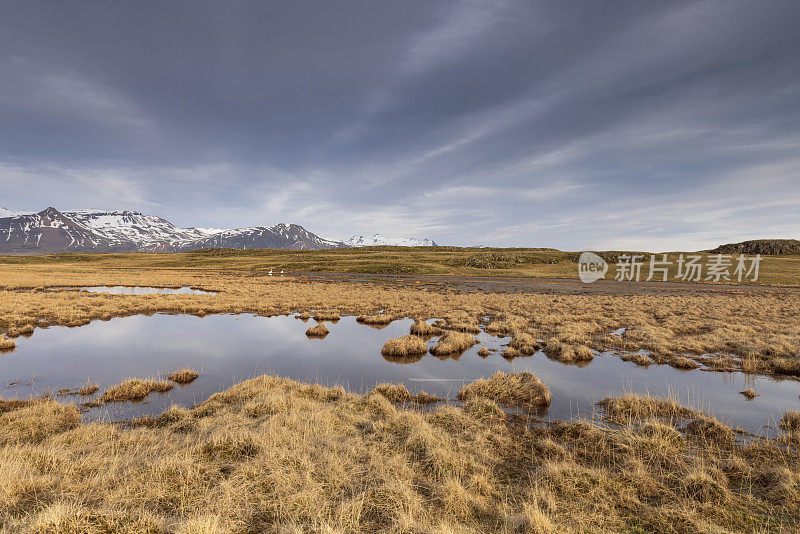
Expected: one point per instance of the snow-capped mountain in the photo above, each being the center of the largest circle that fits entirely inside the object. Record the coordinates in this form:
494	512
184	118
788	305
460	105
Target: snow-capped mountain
146	230
5	212
52	231
377	240
280	235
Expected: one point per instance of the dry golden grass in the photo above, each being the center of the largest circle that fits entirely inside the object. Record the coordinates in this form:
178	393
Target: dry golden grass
89	389
683	363
7	344
639	359
525	343
405	346
453	342
483	352
375	320
790	422
183	376
398	393
318	331
423	329
327	315
524	390
510	353
749	394
273	455
303	316
566	353
24	330
135	389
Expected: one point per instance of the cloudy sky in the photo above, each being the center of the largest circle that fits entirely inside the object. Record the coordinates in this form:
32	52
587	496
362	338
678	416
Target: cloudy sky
648	125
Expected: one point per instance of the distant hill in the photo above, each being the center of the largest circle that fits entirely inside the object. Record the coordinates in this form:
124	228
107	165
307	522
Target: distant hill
765	247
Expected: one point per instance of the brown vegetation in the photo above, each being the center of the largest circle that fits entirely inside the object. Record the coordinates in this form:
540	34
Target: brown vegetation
483	352
318	331
135	389
398	393
89	389
7	344
453	342
567	353
524	390
683	363
380	320
423	329
327	315
183	376
405	346
273	455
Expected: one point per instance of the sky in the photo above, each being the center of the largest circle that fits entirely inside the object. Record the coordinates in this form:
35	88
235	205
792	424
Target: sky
662	125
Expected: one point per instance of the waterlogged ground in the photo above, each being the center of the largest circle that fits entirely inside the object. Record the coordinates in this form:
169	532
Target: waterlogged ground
227	349
139	290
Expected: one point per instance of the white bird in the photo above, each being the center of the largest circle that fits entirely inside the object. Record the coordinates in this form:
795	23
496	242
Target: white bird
270	272
281	272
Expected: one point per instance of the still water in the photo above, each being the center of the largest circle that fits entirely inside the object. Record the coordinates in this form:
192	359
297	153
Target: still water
227	349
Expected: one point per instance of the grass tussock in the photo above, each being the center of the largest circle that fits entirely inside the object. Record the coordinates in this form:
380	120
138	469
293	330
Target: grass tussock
790	422
25	330
567	353
318	331
483	352
303	316
524	390
89	389
398	393
453	342
380	320
327	315
405	346
749	394
683	363
423	329
6	343
135	389
630	407
274	455
525	343
638	358
183	376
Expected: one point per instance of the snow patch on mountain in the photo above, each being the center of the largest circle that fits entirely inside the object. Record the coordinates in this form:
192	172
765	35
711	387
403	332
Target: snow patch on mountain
4	212
378	240
145	230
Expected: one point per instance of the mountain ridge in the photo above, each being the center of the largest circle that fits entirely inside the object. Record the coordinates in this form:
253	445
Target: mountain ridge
51	231
92	230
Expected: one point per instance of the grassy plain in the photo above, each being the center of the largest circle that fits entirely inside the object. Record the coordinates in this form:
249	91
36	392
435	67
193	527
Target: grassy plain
525	262
273	455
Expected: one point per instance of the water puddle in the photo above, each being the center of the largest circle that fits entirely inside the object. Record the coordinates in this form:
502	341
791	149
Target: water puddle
227	349
140	290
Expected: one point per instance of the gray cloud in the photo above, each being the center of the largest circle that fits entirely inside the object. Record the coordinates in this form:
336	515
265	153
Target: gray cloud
669	125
